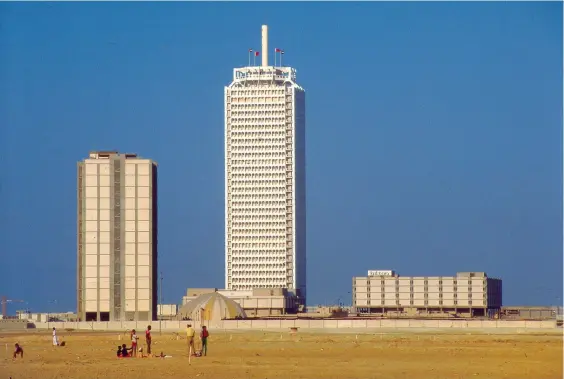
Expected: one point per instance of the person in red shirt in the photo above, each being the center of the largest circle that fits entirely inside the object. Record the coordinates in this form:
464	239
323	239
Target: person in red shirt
148	339
204	337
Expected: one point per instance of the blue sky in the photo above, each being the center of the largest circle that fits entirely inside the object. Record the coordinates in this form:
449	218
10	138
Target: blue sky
434	135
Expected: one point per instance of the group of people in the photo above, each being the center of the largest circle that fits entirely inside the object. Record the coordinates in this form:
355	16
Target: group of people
190	334
19	349
124	352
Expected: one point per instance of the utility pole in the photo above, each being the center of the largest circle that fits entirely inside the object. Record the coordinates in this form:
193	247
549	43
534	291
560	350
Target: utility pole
161	305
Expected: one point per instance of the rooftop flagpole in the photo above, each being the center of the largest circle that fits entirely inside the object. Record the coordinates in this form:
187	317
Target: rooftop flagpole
277	50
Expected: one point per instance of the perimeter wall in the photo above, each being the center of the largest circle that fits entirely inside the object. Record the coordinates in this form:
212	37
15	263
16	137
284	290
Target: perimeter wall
300	324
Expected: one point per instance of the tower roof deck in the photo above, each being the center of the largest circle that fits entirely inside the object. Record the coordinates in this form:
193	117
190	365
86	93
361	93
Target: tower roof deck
260	73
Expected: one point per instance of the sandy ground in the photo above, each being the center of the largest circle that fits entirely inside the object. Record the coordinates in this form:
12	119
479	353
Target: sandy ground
283	355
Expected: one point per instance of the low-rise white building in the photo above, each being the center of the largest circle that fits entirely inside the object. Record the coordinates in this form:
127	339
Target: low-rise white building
468	293
259	302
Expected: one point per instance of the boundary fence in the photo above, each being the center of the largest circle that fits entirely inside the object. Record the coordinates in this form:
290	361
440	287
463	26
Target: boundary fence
300	324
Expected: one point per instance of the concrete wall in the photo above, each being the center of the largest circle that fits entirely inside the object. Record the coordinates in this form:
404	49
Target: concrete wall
302	324
15	324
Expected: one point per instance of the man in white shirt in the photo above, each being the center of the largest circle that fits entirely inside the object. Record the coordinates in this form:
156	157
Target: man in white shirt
55	339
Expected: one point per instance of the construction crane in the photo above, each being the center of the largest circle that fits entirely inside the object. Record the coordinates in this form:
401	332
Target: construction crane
5	302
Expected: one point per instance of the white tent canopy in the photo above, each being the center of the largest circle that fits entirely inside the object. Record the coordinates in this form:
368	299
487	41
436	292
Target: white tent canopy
211	307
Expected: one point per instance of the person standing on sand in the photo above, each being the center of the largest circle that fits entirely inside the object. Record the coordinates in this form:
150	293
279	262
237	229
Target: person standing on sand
55	339
204	337
134	339
148	339
190	333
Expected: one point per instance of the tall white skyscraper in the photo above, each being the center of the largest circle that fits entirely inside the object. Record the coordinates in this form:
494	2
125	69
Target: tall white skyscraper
265	205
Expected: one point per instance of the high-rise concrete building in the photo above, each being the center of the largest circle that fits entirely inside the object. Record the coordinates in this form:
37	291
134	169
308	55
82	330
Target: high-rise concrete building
117	238
265	204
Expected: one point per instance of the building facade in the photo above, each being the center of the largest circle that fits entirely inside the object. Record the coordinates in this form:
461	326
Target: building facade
259	302
265	223
117	238
471	293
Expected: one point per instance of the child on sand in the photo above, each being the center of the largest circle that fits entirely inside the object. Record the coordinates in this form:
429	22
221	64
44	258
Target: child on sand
124	353
134	339
18	350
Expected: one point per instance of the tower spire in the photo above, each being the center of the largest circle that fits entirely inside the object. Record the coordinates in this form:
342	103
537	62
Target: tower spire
265	46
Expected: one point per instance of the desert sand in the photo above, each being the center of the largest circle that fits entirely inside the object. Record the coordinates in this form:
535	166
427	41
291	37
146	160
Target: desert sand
272	355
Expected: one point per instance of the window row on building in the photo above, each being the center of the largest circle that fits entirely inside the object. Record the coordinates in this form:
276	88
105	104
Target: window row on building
240	123
259	196
281	127
255	113
105	181
257	100
141	203
257	252
421	303
238	137
267	234
264	204
278	116
265	261
267	231
240	173
251	173
266	218
239	234
253	92
258	162
424	295
280	183
103	169
259	208
239	153
257	281
106	226
258	270
279	132
96	214
256	106
105	237
257	245
418	281
103	248
244	141
262	148
94	192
